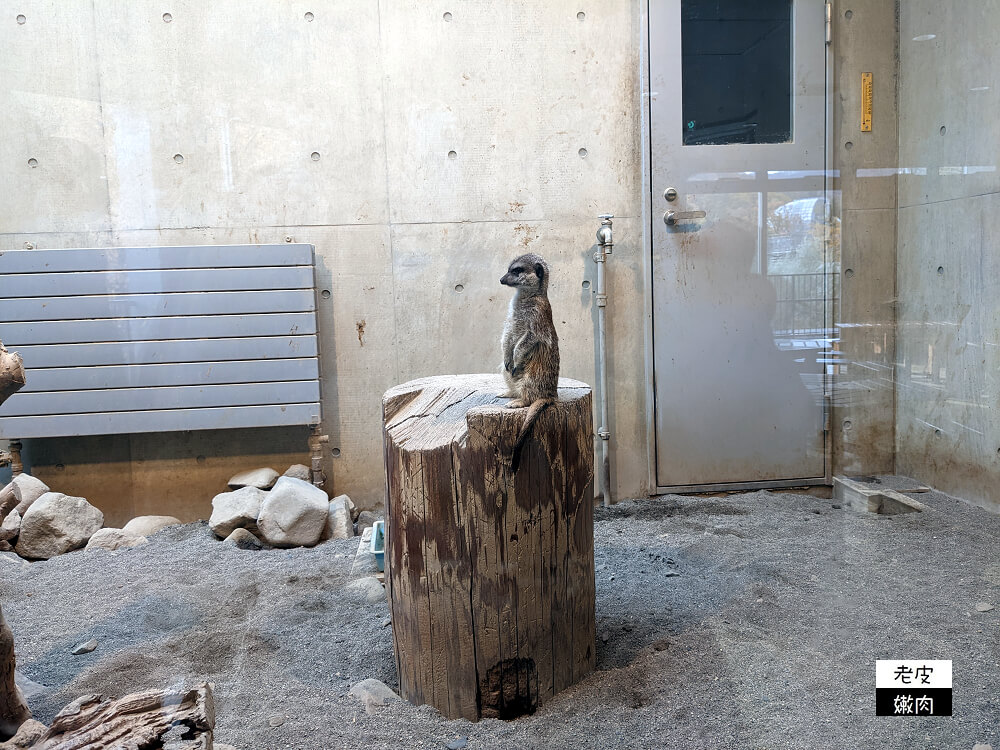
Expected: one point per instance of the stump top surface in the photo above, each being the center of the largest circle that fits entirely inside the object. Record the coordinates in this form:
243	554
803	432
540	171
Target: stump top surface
431	412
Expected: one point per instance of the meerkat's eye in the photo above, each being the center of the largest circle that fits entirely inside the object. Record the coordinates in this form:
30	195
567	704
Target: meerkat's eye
517	270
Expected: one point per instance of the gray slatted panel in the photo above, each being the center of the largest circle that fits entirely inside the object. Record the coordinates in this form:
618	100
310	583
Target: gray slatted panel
103	331
139	258
70	425
142	376
154	282
151	329
156	305
144	399
155	352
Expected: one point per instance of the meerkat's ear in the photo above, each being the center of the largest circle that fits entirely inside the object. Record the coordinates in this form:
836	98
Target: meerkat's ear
539	271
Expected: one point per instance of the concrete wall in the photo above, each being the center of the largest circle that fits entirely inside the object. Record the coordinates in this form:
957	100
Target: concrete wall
418	145
949	233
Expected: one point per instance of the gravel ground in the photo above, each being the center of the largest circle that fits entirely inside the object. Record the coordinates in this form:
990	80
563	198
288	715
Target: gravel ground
742	621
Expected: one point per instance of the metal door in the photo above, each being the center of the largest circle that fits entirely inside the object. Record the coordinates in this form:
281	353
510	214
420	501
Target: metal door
739	233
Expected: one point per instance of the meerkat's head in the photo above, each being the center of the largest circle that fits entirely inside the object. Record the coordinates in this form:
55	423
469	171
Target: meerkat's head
528	273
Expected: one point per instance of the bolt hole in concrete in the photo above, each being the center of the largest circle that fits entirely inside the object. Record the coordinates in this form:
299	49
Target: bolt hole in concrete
943	130
452	154
309	17
200	459
583	153
179	158
335	452
21	20
325	294
849	273
314	156
586	284
848	14
60	467
849	145
940	270
459	288
167	18
32	163
447	17
847	424
938	433
580	16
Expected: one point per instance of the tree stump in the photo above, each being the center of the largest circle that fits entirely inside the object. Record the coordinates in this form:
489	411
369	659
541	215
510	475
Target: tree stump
490	573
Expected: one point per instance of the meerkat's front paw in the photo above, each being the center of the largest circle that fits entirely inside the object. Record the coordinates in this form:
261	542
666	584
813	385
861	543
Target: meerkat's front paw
517	404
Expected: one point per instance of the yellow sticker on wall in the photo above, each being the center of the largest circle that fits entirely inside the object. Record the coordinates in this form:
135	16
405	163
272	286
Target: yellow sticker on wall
866	102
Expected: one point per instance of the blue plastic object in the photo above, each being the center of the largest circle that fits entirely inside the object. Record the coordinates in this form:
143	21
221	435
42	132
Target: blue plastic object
378	544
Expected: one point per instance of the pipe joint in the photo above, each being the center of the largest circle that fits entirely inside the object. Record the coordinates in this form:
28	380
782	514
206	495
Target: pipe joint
602	300
604	434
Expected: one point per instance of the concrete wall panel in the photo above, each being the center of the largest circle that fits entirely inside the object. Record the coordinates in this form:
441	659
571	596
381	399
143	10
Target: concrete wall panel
245	93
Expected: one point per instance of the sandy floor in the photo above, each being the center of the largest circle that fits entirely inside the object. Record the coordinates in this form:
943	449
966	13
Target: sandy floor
744	621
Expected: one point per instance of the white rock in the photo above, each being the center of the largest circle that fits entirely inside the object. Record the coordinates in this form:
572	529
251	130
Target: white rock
299	471
293	514
350	506
236	510
149	525
373	693
27	490
263	479
112	539
56	523
338	520
368	588
243	539
11	525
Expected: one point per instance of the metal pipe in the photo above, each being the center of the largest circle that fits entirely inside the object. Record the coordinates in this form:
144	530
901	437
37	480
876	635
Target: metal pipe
605	245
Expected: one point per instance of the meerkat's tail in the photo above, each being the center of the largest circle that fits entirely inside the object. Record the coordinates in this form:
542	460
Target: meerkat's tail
533	411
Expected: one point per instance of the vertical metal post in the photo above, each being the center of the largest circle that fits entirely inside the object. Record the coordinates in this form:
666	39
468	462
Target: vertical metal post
605	245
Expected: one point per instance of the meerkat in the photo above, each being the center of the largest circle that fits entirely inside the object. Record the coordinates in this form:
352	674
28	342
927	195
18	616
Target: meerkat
530	344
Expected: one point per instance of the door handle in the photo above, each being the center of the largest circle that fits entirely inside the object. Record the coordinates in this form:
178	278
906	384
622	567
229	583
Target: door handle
671	218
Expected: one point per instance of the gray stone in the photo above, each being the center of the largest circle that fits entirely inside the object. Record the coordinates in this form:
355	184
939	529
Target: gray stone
56	523
366	519
367	589
981	746
29	688
263	479
293	514
244	539
338	521
373	693
458	744
149	525
984	607
85	648
27	490
220	746
299	471
112	539
236	510
11	526
276	721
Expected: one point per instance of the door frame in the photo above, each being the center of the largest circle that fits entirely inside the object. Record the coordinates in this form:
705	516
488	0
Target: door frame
647	278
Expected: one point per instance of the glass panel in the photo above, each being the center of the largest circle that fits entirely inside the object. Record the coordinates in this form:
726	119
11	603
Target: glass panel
736	71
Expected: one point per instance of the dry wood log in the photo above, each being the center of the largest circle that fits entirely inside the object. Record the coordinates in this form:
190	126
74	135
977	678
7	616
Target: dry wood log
11	373
490	572
13	709
180	719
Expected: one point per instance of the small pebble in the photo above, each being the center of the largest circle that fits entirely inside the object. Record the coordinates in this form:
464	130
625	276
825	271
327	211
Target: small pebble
981	746
984	607
671	573
458	744
836	506
386	622
85	648
605	636
276	721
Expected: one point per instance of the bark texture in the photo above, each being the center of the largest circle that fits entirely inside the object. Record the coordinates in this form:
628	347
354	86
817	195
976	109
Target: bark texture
13	710
490	572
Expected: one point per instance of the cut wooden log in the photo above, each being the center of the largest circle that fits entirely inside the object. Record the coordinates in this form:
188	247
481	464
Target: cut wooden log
13	710
181	719
490	572
11	373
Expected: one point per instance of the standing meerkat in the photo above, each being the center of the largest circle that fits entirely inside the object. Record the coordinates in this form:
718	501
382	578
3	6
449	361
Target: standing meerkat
530	344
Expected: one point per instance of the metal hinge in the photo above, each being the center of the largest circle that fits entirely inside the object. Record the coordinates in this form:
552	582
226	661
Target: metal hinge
829	23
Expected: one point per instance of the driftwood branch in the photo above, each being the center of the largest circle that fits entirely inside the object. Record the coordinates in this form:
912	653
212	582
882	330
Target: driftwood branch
180	719
13	709
11	373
